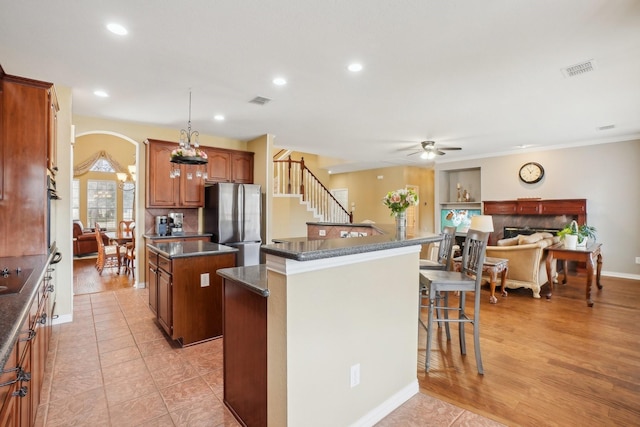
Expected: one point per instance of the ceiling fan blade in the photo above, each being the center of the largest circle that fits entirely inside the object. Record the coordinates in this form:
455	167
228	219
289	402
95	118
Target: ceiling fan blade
414	153
440	153
449	148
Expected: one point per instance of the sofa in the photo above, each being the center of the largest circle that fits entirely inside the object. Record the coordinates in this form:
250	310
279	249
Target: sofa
527	260
84	239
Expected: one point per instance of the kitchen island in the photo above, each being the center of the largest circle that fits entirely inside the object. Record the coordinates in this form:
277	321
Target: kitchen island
184	291
339	319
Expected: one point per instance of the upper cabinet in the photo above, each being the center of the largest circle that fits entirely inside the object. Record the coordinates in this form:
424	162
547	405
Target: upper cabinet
183	191
187	189
25	136
52	141
229	165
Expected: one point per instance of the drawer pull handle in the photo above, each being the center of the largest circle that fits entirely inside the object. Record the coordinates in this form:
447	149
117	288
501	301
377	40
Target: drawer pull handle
43	319
21	392
31	336
24	376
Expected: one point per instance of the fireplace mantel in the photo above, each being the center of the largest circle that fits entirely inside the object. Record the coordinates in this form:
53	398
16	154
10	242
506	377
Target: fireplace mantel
535	213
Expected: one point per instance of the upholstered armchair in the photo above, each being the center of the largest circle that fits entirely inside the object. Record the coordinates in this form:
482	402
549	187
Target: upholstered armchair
84	239
526	255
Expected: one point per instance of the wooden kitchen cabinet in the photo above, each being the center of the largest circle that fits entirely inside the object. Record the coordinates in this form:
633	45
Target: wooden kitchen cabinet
52	136
25	127
23	373
164	191
188	293
152	280
229	165
165	295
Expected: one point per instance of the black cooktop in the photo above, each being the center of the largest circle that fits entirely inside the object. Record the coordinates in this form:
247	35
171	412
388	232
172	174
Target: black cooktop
12	281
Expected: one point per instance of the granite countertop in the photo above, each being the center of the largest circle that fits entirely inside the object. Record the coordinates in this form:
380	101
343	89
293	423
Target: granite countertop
252	277
176	236
14	308
187	249
305	249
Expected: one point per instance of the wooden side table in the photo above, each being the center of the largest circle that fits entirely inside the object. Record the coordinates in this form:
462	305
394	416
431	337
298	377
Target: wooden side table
589	255
492	266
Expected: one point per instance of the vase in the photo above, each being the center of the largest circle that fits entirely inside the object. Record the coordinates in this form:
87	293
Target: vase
401	223
570	241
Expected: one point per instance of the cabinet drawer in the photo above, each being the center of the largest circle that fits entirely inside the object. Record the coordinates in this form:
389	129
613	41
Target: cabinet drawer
164	263
530	208
153	258
499	208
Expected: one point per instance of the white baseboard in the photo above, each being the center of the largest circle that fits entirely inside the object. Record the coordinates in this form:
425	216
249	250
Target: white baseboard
388	406
64	318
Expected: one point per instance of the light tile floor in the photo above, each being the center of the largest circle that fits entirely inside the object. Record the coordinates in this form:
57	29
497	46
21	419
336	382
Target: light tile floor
113	366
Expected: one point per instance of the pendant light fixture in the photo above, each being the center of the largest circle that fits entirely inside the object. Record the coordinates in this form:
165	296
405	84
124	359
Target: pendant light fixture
188	151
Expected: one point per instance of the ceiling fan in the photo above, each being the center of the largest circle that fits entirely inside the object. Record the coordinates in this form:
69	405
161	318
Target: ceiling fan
430	151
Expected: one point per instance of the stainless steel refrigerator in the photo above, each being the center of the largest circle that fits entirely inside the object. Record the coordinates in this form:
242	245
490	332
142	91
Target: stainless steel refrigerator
232	213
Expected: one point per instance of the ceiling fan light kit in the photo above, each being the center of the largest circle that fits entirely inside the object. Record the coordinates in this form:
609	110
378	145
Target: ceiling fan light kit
430	151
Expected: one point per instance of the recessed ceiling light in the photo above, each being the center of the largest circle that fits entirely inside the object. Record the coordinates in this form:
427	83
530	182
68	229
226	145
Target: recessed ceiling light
117	29
101	94
524	146
279	81
355	67
218	117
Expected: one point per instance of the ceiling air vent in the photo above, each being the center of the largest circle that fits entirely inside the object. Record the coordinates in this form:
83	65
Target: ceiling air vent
259	100
578	69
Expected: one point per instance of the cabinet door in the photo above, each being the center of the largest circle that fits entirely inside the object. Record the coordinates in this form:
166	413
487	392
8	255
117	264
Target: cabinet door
242	168
219	166
52	137
165	304
9	408
162	191
191	189
152	280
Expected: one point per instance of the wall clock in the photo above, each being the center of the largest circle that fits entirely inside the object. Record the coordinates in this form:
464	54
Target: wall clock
531	172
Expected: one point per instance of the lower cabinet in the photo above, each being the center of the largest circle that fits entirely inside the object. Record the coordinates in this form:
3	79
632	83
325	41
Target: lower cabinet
23	374
187	294
165	295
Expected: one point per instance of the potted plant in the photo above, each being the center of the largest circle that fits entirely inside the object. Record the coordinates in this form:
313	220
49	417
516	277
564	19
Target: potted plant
574	235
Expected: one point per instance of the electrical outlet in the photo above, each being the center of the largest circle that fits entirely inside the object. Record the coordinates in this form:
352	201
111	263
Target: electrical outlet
353	234
638	260
204	280
355	375
322	232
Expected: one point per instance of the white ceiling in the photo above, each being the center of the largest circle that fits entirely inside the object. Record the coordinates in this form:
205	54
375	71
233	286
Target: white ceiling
482	75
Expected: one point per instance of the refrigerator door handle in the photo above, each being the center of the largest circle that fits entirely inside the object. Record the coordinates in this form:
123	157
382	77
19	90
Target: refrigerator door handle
241	209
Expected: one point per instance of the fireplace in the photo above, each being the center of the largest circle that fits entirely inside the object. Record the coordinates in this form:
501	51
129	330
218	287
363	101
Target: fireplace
515	231
533	215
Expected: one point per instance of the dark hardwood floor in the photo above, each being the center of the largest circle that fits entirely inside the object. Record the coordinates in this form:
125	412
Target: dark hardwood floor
547	362
86	279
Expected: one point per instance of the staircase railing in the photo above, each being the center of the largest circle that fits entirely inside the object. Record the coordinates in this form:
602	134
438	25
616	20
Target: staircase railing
293	177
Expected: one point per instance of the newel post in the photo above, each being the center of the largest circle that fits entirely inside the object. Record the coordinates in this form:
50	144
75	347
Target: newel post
289	175
302	178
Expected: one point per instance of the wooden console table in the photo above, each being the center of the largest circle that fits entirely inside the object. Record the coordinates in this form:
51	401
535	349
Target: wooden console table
590	255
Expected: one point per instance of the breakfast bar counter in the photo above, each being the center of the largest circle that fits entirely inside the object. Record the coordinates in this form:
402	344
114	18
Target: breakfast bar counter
332	321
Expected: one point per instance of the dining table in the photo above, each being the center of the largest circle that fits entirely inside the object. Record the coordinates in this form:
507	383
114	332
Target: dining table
120	239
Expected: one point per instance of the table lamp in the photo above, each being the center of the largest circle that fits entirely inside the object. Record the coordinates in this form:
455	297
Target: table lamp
482	223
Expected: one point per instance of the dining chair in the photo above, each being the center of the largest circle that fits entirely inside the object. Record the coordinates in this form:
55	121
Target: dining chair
443	262
126	226
129	257
468	279
444	252
108	255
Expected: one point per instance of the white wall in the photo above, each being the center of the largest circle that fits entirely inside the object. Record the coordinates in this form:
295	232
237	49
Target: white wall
607	175
328	315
